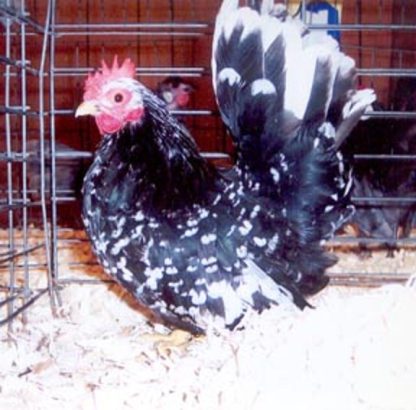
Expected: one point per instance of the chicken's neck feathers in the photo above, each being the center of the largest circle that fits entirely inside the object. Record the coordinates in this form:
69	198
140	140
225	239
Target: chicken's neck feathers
154	164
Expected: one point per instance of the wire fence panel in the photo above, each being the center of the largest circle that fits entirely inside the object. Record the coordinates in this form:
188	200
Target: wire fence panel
47	49
23	117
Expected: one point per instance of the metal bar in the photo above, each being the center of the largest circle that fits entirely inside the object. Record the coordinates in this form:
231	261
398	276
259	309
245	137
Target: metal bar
353	241
150	73
9	170
73	154
383	200
18	206
8	253
17	312
42	89
7	109
16	254
215	155
30	34
384	72
11	13
376	48
13	157
24	157
391	114
192	112
19	64
31	266
32	191
358	279
141	71
19	289
62	199
67	111
76	281
363	27
23	82
54	217
169	25
9	299
10	61
129	33
385	157
14	74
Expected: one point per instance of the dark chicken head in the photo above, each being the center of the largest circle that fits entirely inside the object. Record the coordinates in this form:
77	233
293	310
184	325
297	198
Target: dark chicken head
175	92
112	96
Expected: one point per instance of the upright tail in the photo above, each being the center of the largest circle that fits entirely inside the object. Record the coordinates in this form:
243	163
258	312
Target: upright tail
289	104
269	69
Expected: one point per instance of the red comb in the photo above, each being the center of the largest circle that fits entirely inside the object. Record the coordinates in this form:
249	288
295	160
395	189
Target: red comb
95	81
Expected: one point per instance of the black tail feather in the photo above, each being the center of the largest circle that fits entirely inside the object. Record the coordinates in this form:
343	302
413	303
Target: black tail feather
289	104
321	91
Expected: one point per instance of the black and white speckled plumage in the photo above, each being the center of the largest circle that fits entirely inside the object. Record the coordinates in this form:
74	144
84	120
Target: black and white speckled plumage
289	104
182	238
194	244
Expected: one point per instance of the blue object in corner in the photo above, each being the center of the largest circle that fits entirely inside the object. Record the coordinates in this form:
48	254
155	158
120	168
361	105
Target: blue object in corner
333	15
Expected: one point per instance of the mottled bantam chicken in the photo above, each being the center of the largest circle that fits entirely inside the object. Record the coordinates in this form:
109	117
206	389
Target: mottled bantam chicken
385	178
175	91
200	247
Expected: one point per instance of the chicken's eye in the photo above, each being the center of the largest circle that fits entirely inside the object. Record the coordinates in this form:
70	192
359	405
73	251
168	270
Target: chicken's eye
118	98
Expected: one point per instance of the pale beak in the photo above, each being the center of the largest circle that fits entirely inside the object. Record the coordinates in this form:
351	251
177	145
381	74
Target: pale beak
87	108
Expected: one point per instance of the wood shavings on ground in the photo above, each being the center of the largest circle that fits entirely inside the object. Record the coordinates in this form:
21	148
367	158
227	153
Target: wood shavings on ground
355	350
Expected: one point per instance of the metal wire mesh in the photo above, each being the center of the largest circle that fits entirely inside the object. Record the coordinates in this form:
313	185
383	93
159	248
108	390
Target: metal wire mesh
23	90
48	47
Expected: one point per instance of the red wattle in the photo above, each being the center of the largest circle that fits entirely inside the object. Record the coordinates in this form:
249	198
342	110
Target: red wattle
108	124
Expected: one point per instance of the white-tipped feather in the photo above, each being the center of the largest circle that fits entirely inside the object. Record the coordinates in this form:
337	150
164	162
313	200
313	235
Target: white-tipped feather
254	280
301	55
230	75
356	106
262	87
227	19
359	101
228	7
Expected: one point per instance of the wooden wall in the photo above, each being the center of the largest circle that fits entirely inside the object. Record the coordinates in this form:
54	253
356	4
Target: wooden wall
371	49
146	50
404	55
381	49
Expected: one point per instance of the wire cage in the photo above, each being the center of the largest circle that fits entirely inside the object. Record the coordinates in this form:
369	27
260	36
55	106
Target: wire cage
48	47
23	115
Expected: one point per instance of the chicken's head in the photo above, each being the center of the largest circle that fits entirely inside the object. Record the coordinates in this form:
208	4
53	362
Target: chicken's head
111	96
175	92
